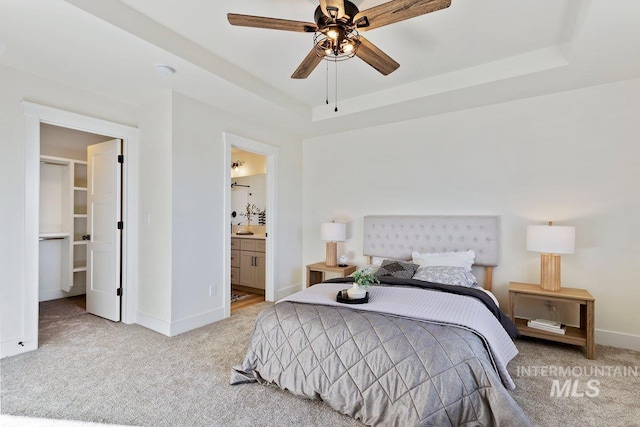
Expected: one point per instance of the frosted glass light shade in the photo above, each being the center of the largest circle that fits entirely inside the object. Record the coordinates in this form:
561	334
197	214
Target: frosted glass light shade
333	232
551	239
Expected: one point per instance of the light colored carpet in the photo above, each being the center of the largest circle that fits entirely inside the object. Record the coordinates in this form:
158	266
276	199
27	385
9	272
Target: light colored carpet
90	369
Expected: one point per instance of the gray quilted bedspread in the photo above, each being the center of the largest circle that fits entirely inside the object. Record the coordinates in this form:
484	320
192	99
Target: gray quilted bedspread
378	368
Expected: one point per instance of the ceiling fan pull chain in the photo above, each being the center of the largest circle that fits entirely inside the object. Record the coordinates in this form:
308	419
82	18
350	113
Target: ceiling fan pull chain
336	62
327	97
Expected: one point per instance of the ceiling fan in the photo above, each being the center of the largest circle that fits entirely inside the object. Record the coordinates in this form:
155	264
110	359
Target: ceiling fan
336	30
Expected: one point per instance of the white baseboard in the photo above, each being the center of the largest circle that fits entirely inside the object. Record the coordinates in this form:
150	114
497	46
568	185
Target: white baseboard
161	326
12	347
618	339
281	293
193	322
51	294
172	329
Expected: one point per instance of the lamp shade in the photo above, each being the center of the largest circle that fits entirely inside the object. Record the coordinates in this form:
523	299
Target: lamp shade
333	231
551	239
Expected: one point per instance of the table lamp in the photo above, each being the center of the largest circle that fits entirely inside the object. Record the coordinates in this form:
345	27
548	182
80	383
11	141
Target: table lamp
551	240
333	232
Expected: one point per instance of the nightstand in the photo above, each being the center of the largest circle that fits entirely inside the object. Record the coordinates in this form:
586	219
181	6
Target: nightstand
319	272
582	336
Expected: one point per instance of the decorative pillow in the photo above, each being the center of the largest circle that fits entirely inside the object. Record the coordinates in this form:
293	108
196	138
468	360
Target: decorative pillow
445	259
399	269
447	275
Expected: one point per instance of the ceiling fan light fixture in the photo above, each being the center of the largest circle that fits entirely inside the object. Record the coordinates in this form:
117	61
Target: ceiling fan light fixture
344	47
335	32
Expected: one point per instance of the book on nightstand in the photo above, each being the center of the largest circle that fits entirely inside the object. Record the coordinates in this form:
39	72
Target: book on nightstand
547	325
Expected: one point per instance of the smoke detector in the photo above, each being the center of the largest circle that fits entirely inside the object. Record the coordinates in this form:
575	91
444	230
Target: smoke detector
164	70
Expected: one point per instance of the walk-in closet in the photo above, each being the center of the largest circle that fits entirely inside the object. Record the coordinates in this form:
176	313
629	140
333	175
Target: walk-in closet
64	216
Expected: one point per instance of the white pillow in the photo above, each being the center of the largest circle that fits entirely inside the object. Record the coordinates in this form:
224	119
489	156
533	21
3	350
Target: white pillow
445	259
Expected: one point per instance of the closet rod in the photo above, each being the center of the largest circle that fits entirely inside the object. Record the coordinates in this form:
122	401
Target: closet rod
64	165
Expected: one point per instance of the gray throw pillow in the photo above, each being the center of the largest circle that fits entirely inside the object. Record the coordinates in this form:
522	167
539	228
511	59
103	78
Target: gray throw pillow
399	269
446	275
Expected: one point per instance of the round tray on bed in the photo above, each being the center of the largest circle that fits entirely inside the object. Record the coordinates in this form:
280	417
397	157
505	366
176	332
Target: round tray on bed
346	300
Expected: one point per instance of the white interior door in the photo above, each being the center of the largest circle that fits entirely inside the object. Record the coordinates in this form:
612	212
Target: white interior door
104	178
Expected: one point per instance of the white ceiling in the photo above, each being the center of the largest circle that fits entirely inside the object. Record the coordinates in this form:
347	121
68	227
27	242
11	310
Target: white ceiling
476	52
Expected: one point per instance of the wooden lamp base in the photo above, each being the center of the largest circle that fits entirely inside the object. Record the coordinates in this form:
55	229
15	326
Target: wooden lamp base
550	272
332	254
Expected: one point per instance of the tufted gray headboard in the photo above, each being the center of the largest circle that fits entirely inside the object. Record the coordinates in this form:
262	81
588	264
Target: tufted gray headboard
397	236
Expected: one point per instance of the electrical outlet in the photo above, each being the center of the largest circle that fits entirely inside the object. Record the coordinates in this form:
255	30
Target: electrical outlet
212	290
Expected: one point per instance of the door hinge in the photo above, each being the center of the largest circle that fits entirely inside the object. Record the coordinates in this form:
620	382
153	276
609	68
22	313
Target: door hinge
120	158
119	292
120	225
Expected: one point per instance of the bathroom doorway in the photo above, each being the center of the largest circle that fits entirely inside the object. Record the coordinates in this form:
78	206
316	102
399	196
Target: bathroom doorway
248	219
250	193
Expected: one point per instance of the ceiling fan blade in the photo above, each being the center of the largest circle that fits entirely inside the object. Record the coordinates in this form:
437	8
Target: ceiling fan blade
373	56
398	10
271	23
309	64
336	8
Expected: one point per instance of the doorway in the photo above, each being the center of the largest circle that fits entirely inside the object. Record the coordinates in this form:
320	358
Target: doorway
257	250
34	116
248	228
80	205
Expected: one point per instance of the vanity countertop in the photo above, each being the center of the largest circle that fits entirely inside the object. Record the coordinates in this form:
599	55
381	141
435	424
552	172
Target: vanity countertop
249	236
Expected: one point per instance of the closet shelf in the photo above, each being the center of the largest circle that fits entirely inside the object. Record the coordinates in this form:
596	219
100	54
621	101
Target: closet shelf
63	201
53	235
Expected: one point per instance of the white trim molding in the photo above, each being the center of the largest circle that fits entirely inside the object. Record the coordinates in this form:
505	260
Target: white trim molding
617	339
34	115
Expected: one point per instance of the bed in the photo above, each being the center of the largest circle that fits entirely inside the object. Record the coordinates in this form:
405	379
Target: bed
420	352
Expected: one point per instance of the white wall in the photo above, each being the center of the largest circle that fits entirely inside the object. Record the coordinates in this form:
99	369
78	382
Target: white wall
181	181
16	86
197	214
572	157
155	175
